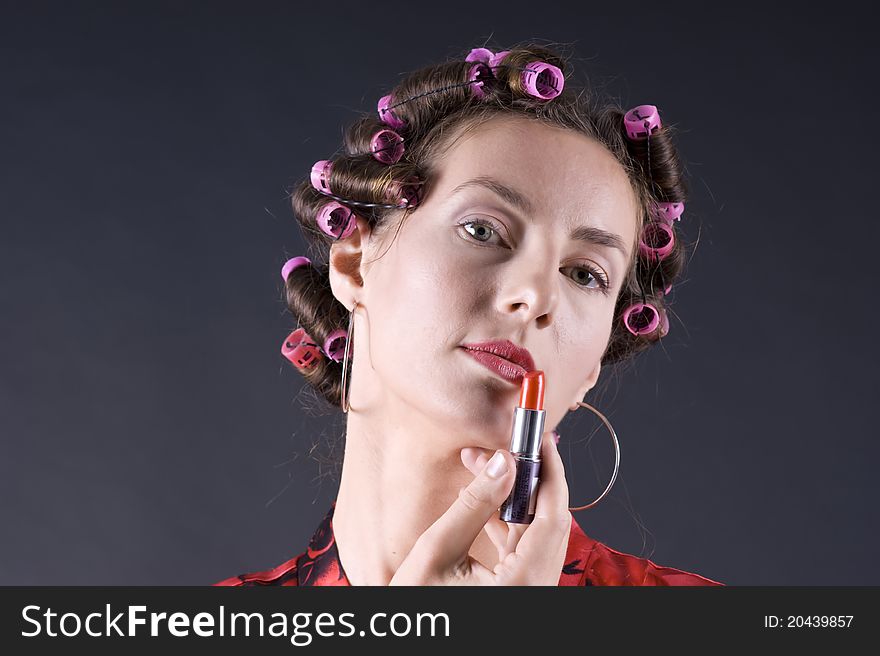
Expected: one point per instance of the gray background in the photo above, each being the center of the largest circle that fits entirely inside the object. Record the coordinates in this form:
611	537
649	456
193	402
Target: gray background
153	434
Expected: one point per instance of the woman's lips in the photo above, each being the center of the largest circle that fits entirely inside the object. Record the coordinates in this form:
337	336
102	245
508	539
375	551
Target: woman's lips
504	368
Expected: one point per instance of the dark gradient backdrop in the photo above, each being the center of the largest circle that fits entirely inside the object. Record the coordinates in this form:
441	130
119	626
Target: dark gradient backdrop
153	434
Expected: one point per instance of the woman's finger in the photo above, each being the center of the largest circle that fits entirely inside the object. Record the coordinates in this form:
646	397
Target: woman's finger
546	490
506	536
475	458
553	488
514	535
545	540
448	540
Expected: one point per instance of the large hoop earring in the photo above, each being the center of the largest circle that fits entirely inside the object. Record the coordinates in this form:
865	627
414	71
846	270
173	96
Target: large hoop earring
345	357
616	456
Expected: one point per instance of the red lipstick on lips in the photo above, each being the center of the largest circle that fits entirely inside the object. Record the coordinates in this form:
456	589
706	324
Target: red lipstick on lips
503	357
525	445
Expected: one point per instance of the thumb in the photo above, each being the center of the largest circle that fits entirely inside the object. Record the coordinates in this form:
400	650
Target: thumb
475	458
450	538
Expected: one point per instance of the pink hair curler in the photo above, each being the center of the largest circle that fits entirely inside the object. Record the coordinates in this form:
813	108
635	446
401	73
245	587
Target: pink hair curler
667	290
542	80
641	318
657	240
668	212
480	75
406	194
336	220
641	122
388	116
292	264
387	146
334	345
480	55
495	60
301	350
320	175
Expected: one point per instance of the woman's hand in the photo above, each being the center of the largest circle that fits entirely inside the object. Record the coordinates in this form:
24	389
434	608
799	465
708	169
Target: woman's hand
529	554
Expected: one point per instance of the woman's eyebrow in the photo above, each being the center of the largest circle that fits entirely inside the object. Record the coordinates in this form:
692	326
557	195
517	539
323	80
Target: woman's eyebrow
594	235
509	194
588	234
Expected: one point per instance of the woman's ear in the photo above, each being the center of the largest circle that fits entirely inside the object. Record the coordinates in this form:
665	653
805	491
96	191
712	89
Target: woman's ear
346	261
588	385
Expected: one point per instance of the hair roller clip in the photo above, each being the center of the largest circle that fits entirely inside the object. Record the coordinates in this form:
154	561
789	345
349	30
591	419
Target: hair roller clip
387	146
301	350
336	220
657	240
292	264
641	318
641	122
320	175
668	212
667	290
387	115
542	80
480	76
480	55
334	345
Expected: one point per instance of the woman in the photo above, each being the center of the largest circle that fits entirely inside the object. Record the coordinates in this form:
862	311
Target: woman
484	205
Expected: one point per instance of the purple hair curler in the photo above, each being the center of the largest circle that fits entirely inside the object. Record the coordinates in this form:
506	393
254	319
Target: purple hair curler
320	175
480	75
542	80
334	345
657	240
405	194
336	220
668	212
641	122
480	55
641	318
495	60
388	116
387	146
292	264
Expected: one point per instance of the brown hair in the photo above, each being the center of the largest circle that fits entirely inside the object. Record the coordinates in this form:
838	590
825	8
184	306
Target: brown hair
433	119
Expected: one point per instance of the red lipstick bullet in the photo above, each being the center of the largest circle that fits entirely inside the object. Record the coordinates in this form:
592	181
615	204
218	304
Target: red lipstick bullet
525	445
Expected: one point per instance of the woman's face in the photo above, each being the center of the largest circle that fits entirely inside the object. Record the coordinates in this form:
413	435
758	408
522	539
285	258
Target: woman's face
470	265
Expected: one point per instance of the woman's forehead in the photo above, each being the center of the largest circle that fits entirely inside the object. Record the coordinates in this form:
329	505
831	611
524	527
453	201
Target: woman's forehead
531	154
551	170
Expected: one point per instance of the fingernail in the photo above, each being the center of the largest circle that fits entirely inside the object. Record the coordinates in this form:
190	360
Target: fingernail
556	437
497	466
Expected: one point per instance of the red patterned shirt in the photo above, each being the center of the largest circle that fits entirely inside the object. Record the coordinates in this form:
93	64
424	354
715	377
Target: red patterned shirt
587	562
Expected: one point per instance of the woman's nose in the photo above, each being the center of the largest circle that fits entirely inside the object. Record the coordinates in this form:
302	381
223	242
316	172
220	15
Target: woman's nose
531	283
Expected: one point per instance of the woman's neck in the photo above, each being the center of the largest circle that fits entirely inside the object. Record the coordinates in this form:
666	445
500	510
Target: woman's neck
397	479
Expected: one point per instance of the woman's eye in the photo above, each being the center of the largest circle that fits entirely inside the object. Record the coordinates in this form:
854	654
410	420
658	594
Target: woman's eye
584	273
482	231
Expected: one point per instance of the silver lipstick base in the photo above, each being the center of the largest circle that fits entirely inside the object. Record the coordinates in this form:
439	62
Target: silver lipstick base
525	444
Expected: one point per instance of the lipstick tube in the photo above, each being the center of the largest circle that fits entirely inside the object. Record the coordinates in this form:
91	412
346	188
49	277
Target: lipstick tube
525	445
